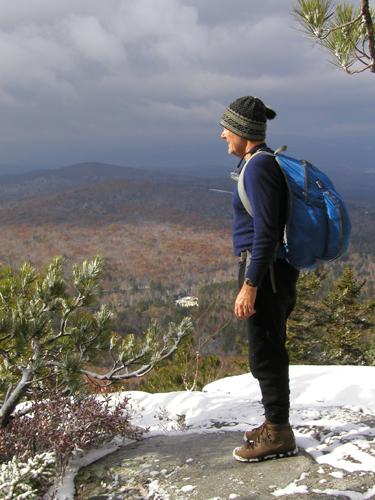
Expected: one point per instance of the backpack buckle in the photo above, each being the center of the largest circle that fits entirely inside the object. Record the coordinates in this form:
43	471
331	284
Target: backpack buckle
281	149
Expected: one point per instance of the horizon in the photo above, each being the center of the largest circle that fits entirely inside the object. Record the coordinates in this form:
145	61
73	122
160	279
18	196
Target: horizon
357	185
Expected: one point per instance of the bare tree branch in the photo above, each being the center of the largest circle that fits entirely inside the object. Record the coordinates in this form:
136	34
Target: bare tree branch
3	339
363	54
9	390
356	71
15	396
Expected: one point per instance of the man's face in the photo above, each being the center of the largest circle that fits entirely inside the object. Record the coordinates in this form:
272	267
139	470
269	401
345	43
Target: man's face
236	144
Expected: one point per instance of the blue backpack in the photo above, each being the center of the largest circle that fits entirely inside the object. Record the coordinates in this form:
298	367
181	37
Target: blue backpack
318	225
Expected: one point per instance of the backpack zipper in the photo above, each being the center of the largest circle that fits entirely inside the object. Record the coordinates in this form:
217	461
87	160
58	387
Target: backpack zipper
341	229
306	181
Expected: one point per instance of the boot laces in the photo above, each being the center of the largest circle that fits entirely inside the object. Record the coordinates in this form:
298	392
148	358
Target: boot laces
264	435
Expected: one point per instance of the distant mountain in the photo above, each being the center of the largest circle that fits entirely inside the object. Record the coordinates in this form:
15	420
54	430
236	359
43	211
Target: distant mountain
355	184
45	182
82	194
90	194
78	172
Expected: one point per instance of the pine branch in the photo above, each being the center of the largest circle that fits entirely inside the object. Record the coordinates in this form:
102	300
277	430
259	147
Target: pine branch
64	321
111	375
143	353
325	34
343	35
165	352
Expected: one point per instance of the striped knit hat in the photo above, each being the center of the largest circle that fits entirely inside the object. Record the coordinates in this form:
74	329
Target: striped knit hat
247	117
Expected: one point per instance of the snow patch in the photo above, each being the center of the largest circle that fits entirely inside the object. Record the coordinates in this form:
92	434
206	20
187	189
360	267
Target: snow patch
314	386
187	488
291	489
332	407
353	495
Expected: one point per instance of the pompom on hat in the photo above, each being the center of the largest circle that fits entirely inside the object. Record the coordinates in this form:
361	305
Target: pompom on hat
247	117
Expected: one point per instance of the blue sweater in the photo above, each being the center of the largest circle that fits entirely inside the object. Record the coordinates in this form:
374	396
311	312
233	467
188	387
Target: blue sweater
266	189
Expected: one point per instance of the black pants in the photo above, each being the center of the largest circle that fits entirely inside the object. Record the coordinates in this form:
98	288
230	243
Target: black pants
268	357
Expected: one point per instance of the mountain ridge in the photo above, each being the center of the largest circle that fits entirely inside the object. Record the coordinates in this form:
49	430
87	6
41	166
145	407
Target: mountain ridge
354	185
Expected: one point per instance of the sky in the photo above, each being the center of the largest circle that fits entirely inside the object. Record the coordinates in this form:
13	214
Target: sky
144	83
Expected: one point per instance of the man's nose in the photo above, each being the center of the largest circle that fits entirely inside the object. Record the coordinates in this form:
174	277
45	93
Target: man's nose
223	134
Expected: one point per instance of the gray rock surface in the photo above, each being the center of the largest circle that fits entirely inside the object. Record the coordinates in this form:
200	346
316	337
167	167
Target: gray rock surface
200	466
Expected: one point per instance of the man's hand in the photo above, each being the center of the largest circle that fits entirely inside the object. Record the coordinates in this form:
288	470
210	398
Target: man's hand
244	305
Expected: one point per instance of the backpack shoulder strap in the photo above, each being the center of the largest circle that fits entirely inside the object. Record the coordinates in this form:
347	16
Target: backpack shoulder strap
241	183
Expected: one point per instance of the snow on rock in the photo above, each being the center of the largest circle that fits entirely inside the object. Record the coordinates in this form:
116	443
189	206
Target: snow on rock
353	495
187	488
337	474
347	456
198	408
155	491
332	413
313	386
326	403
291	489
187	301
65	490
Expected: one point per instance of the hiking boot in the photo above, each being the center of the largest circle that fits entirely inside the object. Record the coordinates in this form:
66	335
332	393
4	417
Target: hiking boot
271	441
252	434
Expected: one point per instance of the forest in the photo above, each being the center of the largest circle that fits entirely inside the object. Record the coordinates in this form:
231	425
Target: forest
151	228
162	237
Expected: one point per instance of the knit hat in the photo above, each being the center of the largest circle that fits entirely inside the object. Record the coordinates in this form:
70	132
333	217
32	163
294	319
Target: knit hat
247	117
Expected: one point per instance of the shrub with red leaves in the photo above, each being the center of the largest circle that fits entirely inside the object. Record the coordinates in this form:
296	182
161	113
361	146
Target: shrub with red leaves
65	425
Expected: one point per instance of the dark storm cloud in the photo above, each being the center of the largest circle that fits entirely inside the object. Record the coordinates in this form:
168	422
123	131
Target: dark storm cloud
121	79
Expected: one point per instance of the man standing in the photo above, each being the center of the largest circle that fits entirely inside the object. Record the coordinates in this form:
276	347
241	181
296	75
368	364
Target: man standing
267	282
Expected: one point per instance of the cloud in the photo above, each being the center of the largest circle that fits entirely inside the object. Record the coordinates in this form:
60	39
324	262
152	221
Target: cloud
100	75
93	41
